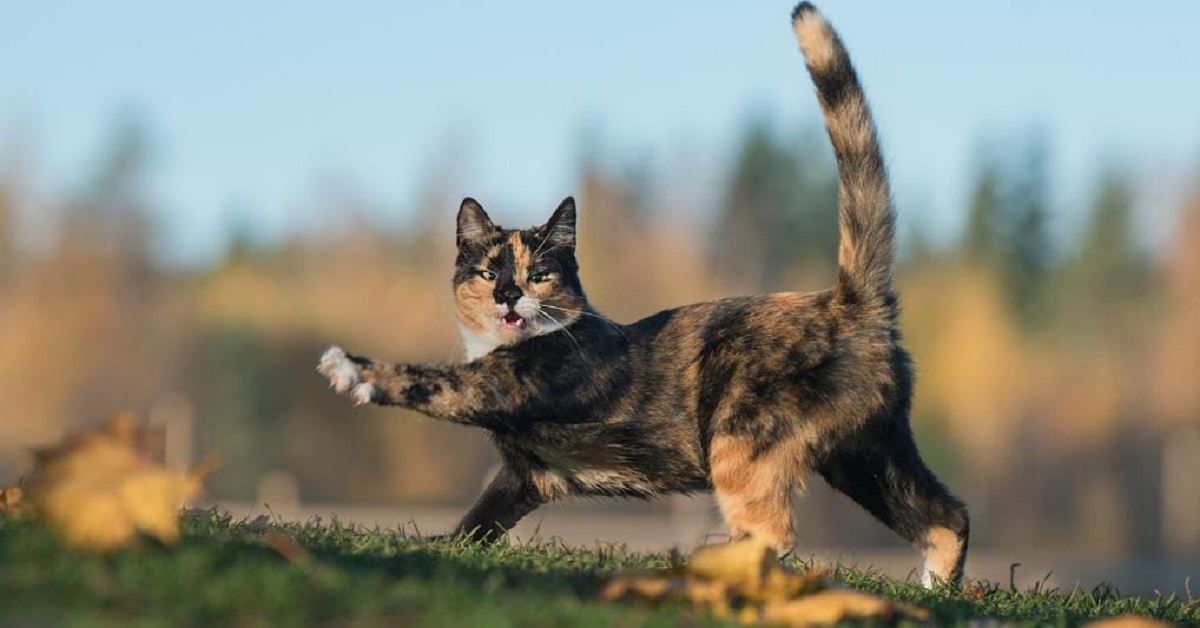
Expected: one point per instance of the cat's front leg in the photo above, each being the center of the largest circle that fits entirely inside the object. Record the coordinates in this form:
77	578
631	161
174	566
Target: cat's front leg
463	393
508	498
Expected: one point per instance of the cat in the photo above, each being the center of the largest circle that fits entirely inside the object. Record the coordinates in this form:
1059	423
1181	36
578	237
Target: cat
744	397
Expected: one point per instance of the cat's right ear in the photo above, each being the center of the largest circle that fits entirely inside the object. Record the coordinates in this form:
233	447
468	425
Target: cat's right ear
473	223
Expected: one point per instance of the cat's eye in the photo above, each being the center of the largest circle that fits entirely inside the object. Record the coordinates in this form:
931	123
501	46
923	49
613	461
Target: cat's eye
487	275
542	277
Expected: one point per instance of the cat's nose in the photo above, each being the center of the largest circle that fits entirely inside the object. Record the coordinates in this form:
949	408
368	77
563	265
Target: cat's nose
508	294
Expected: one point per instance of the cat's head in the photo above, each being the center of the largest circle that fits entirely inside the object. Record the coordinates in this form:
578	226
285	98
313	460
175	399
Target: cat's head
514	284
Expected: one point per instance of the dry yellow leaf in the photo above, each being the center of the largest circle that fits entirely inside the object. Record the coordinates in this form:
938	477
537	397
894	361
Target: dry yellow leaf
1128	621
99	489
649	588
746	561
12	499
745	581
833	606
714	596
780	585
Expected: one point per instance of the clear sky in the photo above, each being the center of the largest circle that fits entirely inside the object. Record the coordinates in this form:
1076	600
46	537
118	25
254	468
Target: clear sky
255	106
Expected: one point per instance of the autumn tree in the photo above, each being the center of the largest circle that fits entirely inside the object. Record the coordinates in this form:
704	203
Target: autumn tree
779	207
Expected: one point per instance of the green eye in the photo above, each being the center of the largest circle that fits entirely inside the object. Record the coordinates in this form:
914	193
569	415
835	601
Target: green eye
539	277
487	275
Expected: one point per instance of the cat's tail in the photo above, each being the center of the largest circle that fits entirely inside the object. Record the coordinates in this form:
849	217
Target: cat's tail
865	216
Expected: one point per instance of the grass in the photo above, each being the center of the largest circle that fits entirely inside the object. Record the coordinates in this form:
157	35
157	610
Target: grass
228	572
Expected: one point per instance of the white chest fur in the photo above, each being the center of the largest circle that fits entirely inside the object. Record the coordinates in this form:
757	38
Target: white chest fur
478	344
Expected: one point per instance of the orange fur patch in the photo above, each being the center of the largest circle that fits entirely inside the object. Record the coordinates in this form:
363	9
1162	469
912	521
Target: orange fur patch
943	550
754	494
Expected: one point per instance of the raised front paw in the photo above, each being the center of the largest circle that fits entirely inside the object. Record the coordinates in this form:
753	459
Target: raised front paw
346	376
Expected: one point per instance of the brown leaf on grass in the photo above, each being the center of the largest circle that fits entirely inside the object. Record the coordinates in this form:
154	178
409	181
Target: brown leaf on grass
288	548
1128	621
747	562
781	584
99	489
651	588
836	605
737	580
976	591
12	499
713	596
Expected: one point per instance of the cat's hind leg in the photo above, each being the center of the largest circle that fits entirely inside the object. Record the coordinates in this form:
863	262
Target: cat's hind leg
754	489
890	480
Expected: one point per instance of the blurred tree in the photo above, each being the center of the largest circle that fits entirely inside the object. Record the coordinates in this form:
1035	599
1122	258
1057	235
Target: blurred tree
8	218
239	403
1098	294
1176	395
1006	230
984	230
780	207
112	212
1109	261
105	248
916	248
613	237
1027	252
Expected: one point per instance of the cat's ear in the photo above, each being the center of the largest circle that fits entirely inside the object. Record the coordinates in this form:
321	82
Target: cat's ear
560	229
473	223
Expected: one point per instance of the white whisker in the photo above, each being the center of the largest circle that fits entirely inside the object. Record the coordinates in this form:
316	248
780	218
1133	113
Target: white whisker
615	325
563	328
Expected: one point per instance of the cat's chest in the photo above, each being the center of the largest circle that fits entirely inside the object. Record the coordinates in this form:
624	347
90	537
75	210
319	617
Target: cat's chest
478	344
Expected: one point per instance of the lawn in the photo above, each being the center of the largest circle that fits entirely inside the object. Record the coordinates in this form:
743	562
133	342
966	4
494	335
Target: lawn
230	572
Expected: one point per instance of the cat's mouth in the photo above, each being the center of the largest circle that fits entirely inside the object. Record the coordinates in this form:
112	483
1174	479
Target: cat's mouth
512	322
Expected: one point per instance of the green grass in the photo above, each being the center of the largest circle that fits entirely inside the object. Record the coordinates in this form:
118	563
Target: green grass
228	572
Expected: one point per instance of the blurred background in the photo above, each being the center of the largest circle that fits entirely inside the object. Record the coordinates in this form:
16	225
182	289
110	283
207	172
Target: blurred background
196	201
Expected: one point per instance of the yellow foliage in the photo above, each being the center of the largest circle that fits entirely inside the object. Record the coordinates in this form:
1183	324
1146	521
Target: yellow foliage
99	489
12	499
1128	621
744	580
833	606
745	562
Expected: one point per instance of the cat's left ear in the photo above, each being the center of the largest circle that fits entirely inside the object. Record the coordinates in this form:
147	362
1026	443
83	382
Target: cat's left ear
474	225
560	229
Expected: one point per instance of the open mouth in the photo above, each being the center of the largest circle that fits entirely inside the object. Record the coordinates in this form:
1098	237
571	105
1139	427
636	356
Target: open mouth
512	321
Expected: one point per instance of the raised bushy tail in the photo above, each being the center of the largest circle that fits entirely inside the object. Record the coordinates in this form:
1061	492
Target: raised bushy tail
865	216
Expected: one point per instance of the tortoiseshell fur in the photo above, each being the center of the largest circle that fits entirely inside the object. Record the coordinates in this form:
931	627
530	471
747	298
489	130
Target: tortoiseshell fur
744	396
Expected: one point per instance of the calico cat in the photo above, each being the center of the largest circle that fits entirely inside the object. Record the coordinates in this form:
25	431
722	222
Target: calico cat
742	396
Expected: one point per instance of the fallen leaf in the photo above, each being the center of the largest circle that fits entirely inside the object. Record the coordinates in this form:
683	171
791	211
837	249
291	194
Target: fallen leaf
975	591
836	605
745	581
12	499
781	584
651	588
1127	621
99	489
731	581
288	548
746	561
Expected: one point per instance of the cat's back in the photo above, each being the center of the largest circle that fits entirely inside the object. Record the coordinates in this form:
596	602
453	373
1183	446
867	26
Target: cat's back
763	344
737	326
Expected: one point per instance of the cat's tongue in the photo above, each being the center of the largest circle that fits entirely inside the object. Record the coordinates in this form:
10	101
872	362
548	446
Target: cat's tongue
512	320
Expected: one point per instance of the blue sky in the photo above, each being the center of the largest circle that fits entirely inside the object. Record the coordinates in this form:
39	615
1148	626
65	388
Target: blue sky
256	107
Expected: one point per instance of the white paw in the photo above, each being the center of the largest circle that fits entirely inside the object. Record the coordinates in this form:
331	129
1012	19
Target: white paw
342	373
363	394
